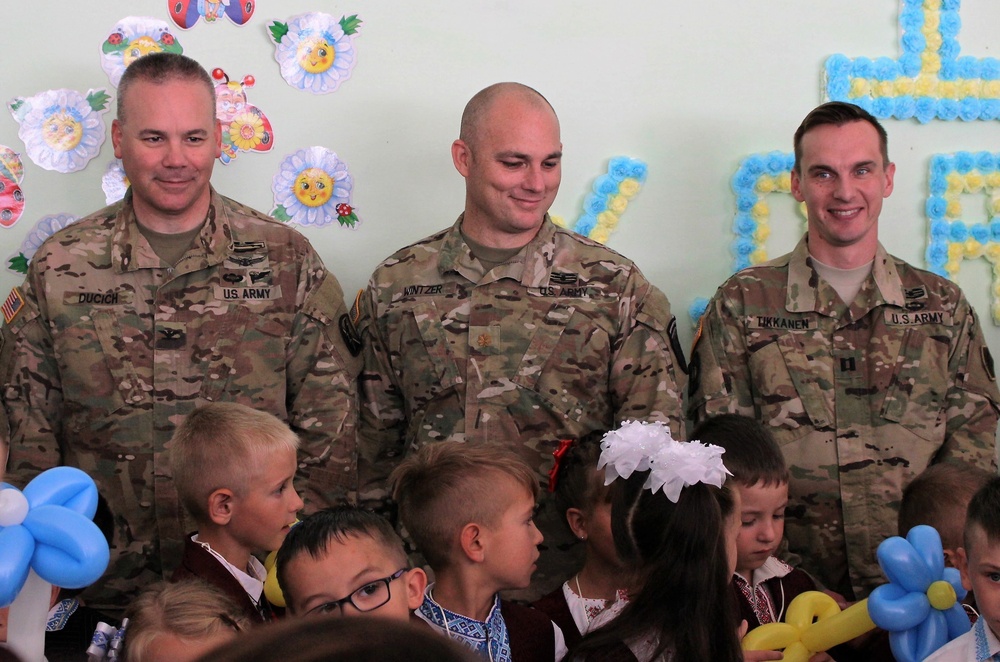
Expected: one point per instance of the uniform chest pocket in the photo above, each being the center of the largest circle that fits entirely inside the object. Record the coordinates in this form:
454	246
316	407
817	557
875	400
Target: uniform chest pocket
428	355
566	363
124	387
790	387
917	392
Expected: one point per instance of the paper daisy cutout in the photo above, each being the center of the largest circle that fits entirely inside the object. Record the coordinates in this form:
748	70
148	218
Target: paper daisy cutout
62	130
313	187
114	183
44	228
132	38
11	196
245	127
185	13
315	50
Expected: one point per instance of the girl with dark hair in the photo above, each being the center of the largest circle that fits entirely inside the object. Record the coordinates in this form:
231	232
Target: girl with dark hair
673	520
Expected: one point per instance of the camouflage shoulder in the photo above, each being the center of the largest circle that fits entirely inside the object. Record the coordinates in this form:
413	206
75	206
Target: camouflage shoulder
96	227
241	209
564	236
417	251
920	283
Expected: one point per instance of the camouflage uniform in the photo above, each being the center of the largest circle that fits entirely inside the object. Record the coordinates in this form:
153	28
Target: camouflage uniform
860	398
111	350
565	338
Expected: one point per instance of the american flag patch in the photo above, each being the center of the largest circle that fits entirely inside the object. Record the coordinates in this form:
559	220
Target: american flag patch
13	305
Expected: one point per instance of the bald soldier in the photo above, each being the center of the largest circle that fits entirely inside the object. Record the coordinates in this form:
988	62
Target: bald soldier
505	328
173	298
865	368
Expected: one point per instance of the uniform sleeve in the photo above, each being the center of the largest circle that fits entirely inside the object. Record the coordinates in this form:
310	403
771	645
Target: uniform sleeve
720	380
32	390
382	435
648	371
322	367
972	398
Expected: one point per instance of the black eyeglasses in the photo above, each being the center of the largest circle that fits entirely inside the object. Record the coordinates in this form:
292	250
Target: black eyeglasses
370	596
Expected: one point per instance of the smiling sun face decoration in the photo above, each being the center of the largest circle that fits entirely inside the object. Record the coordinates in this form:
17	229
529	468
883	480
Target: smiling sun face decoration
62	129
315	50
313	187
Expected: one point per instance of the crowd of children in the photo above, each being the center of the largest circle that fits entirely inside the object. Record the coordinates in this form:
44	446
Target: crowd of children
682	543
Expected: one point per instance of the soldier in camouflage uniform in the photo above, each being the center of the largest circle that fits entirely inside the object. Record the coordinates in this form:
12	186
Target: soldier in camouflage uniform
866	369
108	345
507	329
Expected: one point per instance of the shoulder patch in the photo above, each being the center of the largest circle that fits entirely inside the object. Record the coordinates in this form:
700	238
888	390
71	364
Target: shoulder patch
356	308
13	305
350	335
675	344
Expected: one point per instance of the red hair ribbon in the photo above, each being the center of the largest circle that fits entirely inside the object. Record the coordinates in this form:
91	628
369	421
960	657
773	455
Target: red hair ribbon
558	454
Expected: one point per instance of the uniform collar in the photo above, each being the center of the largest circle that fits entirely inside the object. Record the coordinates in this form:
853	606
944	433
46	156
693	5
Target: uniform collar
130	251
807	292
531	266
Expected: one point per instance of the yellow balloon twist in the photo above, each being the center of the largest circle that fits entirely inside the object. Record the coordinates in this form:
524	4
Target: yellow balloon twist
814	623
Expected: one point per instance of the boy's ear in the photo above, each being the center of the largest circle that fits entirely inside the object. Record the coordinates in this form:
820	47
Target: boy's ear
577	523
415	581
471	541
220	506
950	558
963	568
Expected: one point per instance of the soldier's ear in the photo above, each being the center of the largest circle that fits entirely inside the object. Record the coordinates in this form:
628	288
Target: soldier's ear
220	506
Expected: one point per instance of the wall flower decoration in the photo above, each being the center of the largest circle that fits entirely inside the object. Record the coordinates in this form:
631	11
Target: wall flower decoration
130	39
313	187
62	130
186	13
44	228
757	176
11	196
114	183
315	51
608	199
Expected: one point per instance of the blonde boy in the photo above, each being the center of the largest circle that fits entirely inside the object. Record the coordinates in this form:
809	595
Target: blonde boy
233	468
469	508
346	561
979	563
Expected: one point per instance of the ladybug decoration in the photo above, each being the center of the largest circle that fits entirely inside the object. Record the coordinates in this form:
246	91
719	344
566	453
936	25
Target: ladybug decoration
185	13
245	127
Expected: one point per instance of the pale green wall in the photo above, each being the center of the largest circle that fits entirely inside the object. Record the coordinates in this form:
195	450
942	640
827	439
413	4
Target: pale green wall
691	88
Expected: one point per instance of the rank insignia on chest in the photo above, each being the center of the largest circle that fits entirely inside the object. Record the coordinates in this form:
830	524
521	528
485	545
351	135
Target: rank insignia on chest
559	278
248	246
13	305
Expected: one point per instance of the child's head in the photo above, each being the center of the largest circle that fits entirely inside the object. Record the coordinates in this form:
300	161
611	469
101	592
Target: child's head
471	504
979	561
760	476
939	497
584	499
180	622
348	561
233	467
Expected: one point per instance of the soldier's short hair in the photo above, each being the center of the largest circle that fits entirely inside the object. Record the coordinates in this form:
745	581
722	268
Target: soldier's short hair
341	523
223	445
160	68
752	455
838	113
479	105
984	512
190	609
579	483
446	485
939	497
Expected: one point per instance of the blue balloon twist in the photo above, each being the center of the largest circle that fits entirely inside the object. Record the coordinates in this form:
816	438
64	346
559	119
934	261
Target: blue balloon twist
919	606
48	528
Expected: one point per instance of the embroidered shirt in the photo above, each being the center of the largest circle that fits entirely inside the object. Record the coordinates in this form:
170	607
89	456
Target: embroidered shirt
979	644
488	638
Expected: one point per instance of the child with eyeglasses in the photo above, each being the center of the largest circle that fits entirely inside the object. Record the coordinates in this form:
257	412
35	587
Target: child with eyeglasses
469	508
346	561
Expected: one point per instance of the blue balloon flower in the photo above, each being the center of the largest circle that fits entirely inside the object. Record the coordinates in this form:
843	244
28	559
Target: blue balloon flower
919	606
48	528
